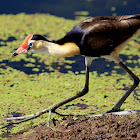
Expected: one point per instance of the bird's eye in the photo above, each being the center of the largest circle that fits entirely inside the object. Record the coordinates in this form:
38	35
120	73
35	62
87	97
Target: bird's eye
31	44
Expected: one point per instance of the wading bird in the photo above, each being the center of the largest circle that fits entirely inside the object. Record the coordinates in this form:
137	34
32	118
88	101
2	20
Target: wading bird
102	36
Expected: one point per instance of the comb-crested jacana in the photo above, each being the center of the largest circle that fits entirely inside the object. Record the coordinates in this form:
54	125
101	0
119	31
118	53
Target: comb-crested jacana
102	36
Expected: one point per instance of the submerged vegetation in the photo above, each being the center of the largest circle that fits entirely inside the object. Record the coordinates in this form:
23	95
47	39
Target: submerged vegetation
33	82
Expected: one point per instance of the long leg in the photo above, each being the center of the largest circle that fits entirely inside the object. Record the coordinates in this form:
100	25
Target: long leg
55	106
83	92
135	84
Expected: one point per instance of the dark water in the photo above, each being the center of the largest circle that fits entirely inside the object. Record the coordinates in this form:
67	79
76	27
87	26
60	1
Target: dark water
71	8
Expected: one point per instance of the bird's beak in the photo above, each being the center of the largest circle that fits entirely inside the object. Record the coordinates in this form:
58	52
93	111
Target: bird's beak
24	47
21	49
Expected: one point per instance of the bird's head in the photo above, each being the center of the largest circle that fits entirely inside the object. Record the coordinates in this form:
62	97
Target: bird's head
38	43
32	43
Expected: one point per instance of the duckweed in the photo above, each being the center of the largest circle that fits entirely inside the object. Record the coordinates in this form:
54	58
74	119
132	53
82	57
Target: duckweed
33	82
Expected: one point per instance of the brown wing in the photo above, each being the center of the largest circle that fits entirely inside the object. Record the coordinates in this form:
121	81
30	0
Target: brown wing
103	34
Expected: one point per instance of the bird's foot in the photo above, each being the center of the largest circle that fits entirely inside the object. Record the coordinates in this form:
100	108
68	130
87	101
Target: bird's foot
122	111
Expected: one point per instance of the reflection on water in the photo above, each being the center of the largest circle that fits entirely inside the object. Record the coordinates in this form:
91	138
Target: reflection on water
71	8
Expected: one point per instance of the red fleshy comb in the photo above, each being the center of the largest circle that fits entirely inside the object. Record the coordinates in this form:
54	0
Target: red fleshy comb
24	46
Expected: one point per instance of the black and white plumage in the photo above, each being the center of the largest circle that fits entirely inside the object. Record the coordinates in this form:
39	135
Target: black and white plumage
103	36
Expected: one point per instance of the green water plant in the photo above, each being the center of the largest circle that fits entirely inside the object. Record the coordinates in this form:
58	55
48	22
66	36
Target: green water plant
31	83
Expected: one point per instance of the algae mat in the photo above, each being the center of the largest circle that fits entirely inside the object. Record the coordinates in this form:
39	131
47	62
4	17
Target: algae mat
32	82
